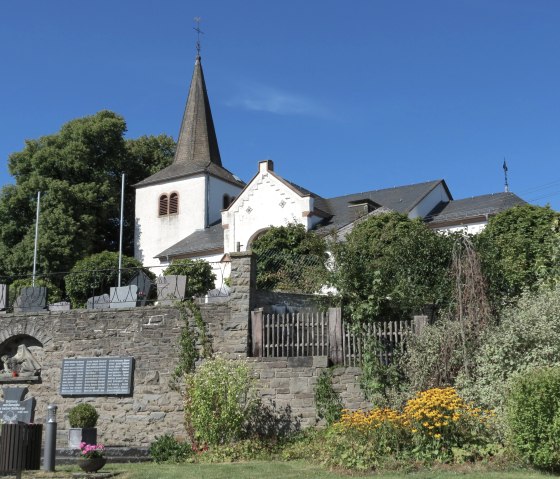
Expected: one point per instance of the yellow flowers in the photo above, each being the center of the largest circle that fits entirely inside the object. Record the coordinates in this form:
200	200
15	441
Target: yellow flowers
373	419
435	413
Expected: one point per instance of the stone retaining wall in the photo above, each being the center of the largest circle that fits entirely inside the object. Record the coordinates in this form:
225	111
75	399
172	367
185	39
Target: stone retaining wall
291	382
151	336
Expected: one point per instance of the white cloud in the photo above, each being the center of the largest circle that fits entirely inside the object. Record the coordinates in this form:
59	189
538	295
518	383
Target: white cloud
264	98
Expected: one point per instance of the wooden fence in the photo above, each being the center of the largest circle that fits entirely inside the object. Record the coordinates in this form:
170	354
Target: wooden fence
325	334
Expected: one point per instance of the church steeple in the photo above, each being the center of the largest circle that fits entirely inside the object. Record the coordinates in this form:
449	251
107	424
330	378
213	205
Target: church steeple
197	147
197	144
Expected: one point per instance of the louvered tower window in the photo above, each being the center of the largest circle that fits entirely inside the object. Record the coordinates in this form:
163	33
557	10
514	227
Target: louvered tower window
173	203
163	205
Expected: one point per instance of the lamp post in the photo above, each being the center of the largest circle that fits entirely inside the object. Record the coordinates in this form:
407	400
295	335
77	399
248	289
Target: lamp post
50	439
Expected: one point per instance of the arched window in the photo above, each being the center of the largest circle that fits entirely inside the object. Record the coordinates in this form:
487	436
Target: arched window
173	203
163	205
168	205
226	201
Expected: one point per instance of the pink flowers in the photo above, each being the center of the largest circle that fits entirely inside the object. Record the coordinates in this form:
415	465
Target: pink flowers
92	450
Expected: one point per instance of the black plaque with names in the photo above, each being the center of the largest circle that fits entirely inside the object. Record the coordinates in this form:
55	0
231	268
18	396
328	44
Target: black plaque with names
109	376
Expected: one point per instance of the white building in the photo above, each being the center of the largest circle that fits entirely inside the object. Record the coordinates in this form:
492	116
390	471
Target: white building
195	208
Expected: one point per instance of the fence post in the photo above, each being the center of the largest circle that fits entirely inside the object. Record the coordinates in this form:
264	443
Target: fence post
335	336
257	332
419	323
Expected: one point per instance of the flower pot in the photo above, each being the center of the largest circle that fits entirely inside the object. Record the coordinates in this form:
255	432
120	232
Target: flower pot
77	435
91	464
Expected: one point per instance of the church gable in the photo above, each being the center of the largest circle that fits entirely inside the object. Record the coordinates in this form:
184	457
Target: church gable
266	201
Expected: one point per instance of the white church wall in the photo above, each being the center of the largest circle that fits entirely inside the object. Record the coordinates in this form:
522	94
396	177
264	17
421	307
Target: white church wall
265	202
216	191
154	233
471	228
429	202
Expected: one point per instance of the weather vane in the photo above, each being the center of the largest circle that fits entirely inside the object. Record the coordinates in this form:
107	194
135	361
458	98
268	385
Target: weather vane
504	166
198	31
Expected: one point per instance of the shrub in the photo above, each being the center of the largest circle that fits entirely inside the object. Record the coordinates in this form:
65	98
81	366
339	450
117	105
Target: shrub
219	396
433	357
327	400
527	337
440	420
435	425
533	417
167	448
83	415
200	278
95	274
364	440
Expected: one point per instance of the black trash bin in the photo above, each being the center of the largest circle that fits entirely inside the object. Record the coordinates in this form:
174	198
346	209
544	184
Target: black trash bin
20	447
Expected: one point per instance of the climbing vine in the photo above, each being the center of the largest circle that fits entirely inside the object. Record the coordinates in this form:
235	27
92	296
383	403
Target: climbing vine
188	341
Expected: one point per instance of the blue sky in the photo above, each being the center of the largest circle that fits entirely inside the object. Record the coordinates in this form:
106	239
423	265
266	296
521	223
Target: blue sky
343	96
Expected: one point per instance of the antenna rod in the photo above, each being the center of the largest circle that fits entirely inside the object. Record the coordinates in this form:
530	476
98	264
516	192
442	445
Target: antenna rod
121	229
506	176
36	237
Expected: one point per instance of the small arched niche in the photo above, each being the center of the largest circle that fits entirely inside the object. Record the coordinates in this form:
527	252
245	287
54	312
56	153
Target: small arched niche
12	348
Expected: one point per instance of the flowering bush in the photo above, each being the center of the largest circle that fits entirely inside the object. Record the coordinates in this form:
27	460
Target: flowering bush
439	420
431	426
90	451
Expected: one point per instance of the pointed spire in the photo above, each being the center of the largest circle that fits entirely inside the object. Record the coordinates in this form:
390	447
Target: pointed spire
197	144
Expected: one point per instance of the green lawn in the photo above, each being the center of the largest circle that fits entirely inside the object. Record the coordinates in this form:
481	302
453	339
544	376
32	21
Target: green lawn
269	470
287	470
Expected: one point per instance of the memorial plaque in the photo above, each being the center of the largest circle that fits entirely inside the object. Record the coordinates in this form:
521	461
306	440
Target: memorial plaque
31	299
98	302
144	284
96	376
124	297
171	288
14	408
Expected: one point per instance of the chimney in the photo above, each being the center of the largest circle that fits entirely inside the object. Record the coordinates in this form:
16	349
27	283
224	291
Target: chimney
361	207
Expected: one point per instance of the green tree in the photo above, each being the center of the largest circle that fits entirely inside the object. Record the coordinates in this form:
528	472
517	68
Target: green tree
78	171
291	258
200	277
390	267
97	273
520	249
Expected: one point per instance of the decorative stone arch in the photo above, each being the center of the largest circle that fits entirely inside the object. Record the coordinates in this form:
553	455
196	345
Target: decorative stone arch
255	235
22	330
33	351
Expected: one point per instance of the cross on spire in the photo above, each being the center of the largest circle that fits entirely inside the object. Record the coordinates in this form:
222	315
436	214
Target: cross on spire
198	32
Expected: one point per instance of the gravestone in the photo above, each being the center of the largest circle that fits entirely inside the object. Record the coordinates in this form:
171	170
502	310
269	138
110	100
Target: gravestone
3	297
124	296
60	306
14	408
31	299
144	285
171	288
98	302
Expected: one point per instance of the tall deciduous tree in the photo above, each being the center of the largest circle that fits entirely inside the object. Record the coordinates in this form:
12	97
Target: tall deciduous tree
520	249
78	170
390	267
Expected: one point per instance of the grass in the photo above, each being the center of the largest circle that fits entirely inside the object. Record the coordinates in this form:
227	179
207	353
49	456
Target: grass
277	470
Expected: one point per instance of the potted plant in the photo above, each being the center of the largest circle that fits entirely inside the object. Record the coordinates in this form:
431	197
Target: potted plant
82	419
91	458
